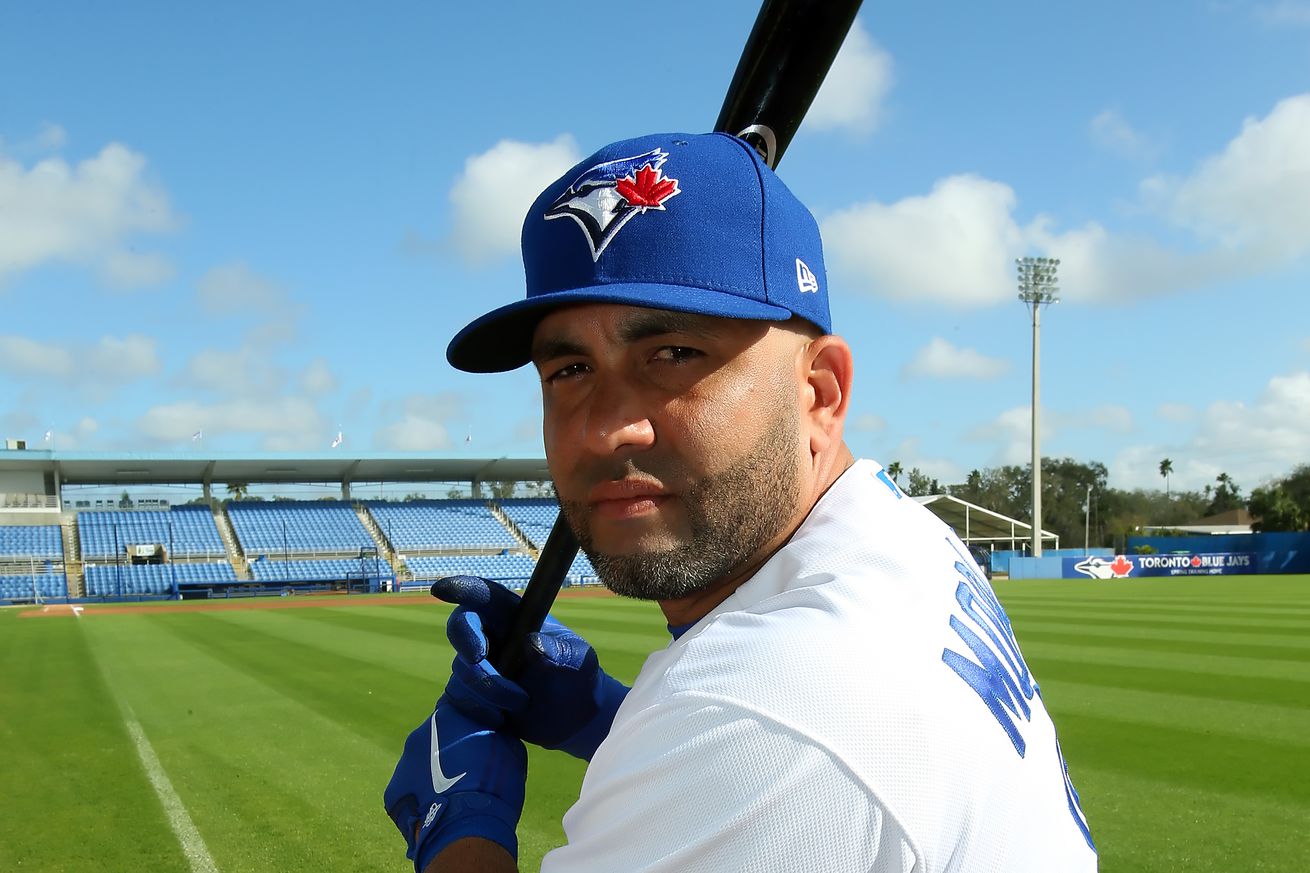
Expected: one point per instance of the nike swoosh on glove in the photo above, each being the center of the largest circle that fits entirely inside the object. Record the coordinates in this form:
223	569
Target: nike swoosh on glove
456	778
563	699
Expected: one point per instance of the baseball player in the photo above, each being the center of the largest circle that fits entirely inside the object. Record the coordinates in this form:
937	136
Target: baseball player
842	690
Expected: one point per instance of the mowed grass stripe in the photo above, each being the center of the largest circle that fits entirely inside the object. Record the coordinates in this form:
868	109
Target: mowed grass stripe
1128	618
1241	668
1263	609
1094	670
1240	720
271	783
1179	755
1292	650
75	795
1149	825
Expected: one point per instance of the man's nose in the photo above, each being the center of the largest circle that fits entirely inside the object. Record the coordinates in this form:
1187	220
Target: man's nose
616	419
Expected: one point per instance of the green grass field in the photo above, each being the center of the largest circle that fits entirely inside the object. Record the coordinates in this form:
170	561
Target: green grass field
1183	709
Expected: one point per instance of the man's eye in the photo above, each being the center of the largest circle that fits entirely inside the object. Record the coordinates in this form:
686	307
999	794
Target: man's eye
567	372
676	354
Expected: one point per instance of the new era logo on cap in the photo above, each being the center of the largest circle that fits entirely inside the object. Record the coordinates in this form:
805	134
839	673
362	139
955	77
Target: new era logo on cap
805	278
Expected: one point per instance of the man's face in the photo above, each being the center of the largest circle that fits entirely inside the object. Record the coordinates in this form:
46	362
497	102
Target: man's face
674	441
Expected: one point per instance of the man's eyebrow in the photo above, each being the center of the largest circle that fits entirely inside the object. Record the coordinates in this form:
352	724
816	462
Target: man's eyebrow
658	322
555	347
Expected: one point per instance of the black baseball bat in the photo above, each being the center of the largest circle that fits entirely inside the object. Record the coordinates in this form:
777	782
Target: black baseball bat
787	55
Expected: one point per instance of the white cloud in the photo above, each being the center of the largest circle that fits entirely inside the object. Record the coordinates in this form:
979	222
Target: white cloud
868	423
1248	208
1105	416
241	372
51	136
1177	413
284	423
493	194
939	359
1111	131
317	378
107	361
235	288
82	214
1254	195
1011	435
851	95
954	245
127	269
1253	441
907	452
423	423
1293	12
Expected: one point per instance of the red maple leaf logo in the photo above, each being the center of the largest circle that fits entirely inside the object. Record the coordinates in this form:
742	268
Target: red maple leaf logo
649	190
1121	566
1196	561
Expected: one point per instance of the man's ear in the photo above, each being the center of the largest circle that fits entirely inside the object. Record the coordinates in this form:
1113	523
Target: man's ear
829	370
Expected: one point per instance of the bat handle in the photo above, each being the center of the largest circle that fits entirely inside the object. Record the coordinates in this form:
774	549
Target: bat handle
552	566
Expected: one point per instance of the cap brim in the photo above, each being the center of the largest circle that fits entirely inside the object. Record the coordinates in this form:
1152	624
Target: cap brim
501	340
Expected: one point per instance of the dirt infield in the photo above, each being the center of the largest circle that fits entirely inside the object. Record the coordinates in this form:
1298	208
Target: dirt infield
302	601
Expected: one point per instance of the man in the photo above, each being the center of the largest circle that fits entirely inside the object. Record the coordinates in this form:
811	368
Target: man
843	691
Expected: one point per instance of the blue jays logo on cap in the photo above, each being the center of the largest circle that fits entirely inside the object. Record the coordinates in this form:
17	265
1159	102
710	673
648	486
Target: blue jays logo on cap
607	196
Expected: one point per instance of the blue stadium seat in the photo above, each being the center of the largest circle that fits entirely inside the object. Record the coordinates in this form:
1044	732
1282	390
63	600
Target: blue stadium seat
186	531
440	525
32	541
297	528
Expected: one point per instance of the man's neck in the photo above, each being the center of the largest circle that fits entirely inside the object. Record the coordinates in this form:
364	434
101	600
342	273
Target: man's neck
692	608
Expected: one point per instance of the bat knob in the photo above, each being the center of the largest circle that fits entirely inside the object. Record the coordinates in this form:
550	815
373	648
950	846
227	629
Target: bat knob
762	138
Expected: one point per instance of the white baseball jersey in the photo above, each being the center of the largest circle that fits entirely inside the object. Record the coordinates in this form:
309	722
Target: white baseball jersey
860	704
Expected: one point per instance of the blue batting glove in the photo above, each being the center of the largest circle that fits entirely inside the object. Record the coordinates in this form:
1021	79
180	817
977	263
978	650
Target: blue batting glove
456	779
563	699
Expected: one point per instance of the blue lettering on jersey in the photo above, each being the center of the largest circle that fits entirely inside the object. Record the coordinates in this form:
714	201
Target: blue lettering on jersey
999	675
887	480
1075	804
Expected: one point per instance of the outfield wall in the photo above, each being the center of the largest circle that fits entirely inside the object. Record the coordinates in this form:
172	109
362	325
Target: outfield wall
1274	552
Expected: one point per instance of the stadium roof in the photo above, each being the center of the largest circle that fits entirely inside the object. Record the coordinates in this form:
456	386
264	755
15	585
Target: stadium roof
972	523
107	468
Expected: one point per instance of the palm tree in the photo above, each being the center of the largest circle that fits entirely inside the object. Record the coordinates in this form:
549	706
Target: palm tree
238	490
1166	467
894	470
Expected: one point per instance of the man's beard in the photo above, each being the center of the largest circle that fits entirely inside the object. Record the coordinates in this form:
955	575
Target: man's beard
732	515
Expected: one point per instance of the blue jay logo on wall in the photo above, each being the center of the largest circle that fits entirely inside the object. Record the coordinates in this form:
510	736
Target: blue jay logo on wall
606	197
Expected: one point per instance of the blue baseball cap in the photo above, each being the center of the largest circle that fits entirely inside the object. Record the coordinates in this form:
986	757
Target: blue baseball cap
688	222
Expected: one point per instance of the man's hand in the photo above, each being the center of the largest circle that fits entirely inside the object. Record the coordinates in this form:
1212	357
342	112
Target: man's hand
456	779
563	699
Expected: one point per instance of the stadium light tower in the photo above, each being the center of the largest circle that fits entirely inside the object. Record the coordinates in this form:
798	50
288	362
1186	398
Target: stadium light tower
1037	288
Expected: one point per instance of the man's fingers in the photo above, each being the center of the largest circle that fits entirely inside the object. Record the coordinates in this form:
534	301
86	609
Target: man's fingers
475	593
464	630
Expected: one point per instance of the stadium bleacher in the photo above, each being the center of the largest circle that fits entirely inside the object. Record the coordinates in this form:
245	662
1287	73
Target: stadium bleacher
503	568
121	580
433	525
23	542
186	531
320	570
534	516
288	527
26	587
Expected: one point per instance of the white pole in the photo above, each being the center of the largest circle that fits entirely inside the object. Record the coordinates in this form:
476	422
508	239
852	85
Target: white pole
1087	522
1037	417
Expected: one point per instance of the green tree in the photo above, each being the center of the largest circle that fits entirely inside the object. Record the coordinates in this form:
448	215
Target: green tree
125	501
921	484
238	490
1166	467
1283	505
894	470
1227	496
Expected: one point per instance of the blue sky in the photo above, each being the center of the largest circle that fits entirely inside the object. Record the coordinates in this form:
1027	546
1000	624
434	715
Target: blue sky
264	221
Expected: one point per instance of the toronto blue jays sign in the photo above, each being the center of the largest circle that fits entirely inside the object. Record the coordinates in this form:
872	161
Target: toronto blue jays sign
1132	566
